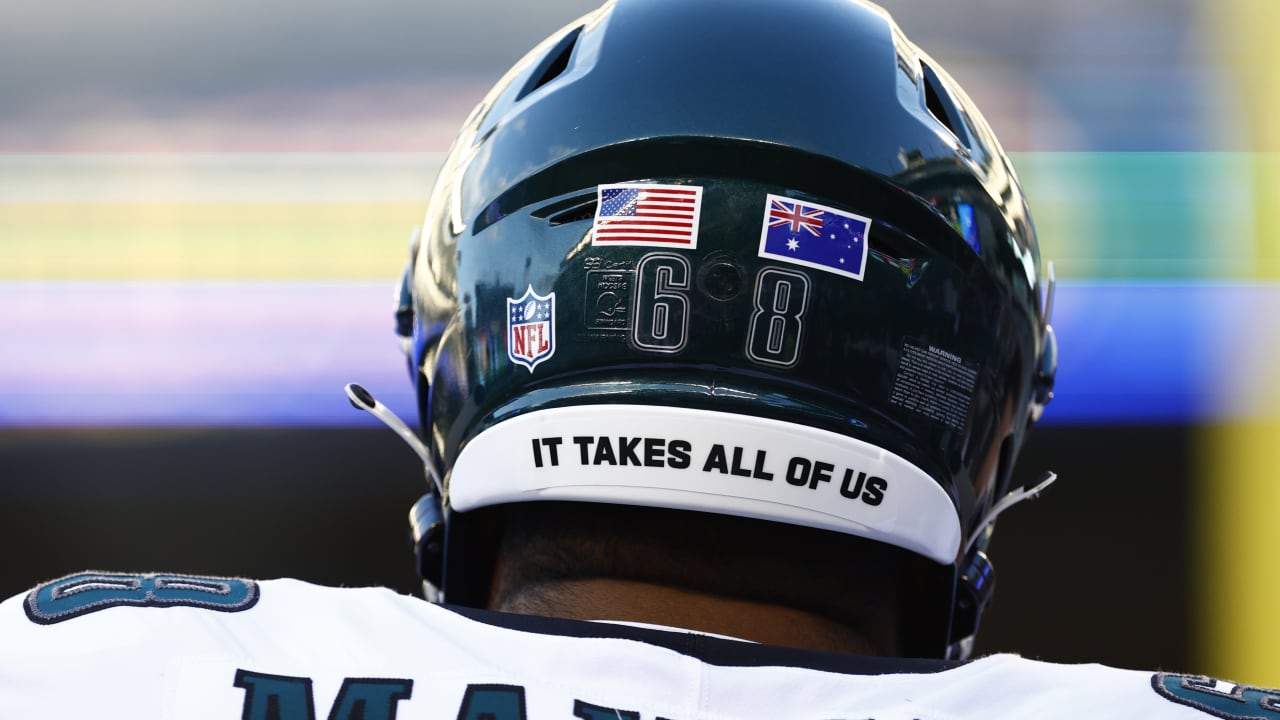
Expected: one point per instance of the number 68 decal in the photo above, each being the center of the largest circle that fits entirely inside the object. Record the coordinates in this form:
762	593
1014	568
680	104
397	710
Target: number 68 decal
662	305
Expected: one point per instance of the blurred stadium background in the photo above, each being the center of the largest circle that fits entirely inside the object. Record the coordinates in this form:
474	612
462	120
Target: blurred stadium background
204	206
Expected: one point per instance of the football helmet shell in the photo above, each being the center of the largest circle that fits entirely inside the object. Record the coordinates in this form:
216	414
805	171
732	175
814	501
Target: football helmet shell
761	258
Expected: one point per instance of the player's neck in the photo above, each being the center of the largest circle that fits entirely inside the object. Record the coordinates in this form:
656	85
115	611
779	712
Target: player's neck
638	602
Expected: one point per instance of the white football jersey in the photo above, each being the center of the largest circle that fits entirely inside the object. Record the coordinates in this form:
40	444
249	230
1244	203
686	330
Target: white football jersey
108	646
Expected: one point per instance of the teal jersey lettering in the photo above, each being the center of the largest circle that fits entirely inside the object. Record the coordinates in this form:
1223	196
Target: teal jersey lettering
492	702
280	697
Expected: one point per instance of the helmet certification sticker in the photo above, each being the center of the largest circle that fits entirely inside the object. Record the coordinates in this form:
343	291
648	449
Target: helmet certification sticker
815	236
607	306
647	215
935	383
531	328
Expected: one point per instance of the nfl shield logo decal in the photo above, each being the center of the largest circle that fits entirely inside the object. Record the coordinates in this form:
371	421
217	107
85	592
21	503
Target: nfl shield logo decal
531	328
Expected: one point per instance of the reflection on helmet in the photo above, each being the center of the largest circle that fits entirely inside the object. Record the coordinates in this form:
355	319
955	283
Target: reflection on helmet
763	259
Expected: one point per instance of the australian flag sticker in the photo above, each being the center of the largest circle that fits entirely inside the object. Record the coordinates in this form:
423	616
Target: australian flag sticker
531	328
804	233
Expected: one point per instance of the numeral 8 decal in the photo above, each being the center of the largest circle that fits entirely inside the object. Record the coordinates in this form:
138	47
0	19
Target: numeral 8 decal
662	303
781	298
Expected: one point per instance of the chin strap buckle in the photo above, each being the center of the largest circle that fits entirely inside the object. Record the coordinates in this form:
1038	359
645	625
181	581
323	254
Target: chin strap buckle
426	525
977	581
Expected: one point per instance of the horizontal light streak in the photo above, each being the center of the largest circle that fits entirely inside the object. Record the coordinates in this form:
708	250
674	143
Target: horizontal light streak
216	177
278	353
1177	216
205	241
196	354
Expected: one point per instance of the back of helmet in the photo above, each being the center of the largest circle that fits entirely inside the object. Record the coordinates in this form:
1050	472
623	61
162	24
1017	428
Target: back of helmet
760	259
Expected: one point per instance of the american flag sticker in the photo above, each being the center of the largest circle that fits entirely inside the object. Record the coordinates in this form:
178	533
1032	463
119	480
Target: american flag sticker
815	236
643	214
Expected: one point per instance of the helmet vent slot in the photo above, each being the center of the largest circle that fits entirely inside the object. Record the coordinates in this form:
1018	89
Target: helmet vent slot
940	104
554	64
568	210
586	211
573	209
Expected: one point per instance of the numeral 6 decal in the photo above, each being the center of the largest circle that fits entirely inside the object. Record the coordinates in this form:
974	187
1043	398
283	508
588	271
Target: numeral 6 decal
781	298
661	303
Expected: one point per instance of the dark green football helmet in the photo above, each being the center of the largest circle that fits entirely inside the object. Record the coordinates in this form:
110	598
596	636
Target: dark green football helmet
752	257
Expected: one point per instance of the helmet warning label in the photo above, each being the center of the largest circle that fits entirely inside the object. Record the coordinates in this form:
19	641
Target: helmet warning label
935	383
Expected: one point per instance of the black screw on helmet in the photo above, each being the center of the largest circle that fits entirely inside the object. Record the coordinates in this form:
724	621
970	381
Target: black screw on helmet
756	258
